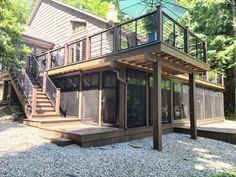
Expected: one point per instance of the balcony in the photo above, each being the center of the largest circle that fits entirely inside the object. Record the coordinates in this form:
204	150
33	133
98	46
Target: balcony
154	36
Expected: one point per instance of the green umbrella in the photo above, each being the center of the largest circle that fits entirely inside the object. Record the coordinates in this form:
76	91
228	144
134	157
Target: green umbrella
135	8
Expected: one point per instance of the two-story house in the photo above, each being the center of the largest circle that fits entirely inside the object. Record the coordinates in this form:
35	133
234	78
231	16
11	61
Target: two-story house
142	73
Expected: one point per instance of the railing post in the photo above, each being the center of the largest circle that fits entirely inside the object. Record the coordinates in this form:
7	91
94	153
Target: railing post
44	82
159	23
222	79
205	52
186	42
34	101
88	48
66	55
215	78
58	97
207	75
49	60
116	39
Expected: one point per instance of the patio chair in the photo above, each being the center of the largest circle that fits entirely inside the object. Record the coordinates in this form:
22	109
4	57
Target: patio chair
171	39
131	39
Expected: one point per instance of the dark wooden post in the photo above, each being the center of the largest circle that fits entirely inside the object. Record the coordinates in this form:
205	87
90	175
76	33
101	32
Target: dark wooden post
186	42
235	92
159	23
193	122
205	52
156	107
116	39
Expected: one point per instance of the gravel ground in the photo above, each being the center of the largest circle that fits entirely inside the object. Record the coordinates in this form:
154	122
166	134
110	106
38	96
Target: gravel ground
24	153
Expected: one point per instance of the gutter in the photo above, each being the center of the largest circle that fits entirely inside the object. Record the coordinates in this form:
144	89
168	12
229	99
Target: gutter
125	83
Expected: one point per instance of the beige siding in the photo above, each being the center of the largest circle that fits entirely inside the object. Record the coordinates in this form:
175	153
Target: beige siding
54	21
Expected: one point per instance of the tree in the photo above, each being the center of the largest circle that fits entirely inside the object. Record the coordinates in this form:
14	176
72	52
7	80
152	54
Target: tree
213	21
11	20
97	7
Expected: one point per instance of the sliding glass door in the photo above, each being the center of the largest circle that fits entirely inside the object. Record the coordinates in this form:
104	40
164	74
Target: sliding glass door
110	99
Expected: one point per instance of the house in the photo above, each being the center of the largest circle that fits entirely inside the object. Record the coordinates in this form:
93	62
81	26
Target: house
150	71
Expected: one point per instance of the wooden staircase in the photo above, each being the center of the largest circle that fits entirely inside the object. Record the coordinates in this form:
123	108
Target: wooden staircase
44	108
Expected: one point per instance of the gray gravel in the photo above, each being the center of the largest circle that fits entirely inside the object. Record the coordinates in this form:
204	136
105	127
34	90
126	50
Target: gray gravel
24	153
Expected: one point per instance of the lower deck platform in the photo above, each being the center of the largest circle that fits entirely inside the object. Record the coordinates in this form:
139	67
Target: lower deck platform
223	131
89	135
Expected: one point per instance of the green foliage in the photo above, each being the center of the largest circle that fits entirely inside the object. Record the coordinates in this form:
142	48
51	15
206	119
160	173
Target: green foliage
231	173
11	19
97	7
213	21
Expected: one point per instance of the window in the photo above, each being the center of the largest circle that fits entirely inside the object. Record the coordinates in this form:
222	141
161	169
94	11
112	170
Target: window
90	81
78	26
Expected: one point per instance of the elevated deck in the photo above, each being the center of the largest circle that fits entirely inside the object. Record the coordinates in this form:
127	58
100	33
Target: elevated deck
139	43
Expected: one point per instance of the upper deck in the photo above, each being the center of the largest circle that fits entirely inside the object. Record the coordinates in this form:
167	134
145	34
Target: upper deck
138	42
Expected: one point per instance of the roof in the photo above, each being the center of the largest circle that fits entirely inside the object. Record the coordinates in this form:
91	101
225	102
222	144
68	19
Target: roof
67	6
32	33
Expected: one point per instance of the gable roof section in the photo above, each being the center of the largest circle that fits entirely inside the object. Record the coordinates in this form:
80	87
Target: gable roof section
67	6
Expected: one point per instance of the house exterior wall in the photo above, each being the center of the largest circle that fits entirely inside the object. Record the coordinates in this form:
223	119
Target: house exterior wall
209	101
54	21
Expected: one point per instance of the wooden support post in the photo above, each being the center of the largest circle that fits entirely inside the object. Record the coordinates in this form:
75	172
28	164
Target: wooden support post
234	92
159	23
49	60
80	97
88	48
34	101
66	55
44	82
147	100
156	107
193	122
58	97
100	101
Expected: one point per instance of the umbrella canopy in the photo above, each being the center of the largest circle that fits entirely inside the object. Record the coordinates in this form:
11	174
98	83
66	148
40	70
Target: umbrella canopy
135	8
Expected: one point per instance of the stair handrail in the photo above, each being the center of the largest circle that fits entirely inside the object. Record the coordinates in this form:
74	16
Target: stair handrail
28	89
37	70
49	88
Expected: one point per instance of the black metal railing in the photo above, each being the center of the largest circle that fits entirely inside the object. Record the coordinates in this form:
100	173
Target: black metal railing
26	85
37	70
43	60
51	91
102	43
173	33
138	31
152	27
196	47
77	51
57	57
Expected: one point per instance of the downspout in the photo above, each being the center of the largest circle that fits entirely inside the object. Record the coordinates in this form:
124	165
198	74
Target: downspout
125	83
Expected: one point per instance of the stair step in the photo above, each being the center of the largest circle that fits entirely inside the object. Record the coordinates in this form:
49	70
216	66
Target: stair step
49	115
44	104
43	100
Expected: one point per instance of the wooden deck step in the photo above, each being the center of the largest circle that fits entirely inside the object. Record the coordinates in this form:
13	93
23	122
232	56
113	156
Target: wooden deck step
51	121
